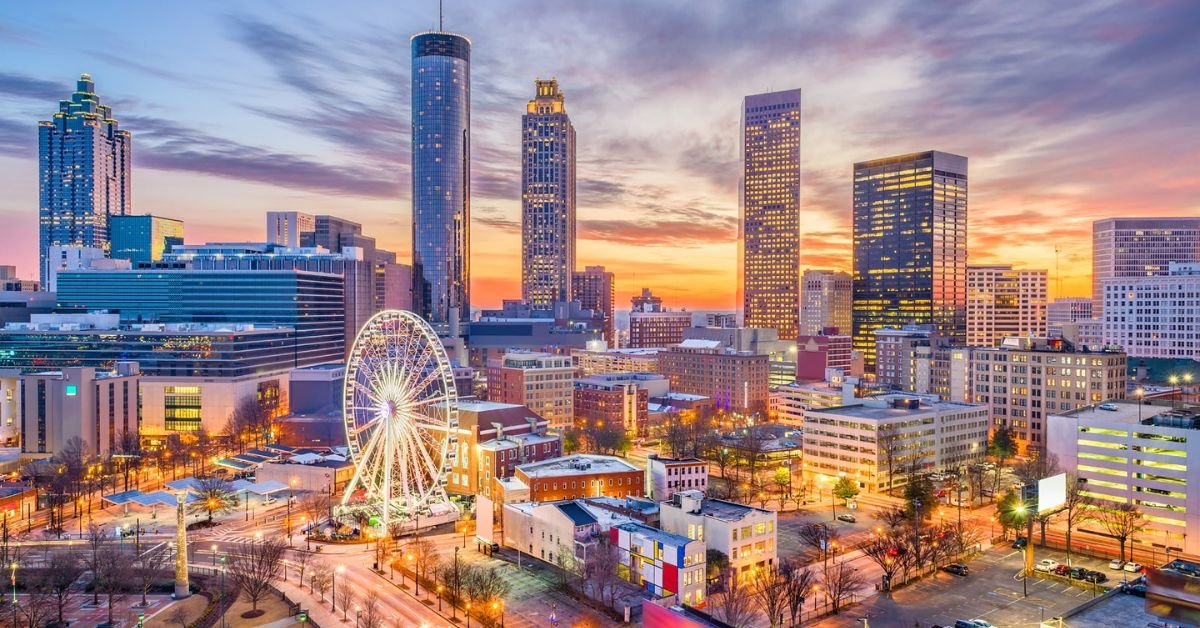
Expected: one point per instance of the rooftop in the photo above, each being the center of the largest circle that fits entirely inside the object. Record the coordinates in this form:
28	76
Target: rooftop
472	405
716	508
666	538
669	460
576	464
880	407
699	343
576	513
653	351
1160	413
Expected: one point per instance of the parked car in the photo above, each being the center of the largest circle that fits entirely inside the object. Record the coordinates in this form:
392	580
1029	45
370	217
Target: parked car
972	623
1132	567
847	517
957	569
1095	576
1020	542
1046	564
1062	570
937	477
1116	563
1111	407
1077	573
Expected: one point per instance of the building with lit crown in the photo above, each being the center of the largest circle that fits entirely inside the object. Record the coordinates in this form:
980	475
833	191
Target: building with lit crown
1139	247
910	246
769	267
85	169
1002	302
441	177
547	198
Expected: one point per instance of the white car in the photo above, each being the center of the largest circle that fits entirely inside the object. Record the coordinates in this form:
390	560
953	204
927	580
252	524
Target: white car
1132	567
1045	564
1116	563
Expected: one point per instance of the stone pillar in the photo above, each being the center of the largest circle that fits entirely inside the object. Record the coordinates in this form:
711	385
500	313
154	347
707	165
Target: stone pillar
182	589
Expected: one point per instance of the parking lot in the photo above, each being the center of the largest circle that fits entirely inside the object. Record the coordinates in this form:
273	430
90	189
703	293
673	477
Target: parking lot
992	592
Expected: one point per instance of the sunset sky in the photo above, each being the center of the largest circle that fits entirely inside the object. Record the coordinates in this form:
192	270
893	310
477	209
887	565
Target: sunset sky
1068	112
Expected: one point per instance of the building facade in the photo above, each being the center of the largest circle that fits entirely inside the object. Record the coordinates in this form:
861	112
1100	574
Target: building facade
1025	380
98	407
1002	302
1139	247
286	228
667	476
745	534
85	169
769	268
1066	310
736	381
660	563
826	300
877	442
617	400
817	353
492	439
596	362
547	198
142	239
441	177
542	382
580	475
596	290
910	246
1157	316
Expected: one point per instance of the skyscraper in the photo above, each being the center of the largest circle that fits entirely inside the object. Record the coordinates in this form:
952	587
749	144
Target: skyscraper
144	239
1066	310
441	176
769	265
1003	302
547	198
1139	247
596	290
84	166
910	246
825	301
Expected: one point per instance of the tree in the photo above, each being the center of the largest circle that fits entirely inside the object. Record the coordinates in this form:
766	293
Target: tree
715	562
129	447
1077	508
770	589
315	506
819	537
600	570
111	574
321	578
484	585
62	569
890	445
36	607
610	440
345	597
372	614
213	496
300	562
1122	521
425	558
798	584
256	567
783	484
846	490
1001	447
97	540
893	517
148	567
889	552
1011	513
841	582
732	599
179	616
919	489
572	440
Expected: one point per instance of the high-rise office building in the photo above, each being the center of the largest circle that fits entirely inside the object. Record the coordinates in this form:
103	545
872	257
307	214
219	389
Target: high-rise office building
84	166
1155	317
769	265
441	176
826	300
1066	310
910	246
1139	247
1003	302
596	290
144	239
547	198
287	228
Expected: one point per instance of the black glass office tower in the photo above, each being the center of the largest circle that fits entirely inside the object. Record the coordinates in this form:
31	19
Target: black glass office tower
910	246
441	176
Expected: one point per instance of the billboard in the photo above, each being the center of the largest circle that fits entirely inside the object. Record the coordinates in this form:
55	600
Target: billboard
1052	493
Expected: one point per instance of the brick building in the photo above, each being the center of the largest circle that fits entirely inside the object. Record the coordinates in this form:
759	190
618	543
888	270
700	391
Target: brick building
542	382
736	381
576	476
617	400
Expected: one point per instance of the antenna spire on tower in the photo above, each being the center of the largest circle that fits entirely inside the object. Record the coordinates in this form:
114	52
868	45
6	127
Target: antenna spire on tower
440	16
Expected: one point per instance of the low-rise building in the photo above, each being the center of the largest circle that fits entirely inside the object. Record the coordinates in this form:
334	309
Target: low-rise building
1141	454
736	381
601	361
745	534
97	407
791	400
817	353
667	476
661	563
617	400
877	441
575	476
559	533
491	442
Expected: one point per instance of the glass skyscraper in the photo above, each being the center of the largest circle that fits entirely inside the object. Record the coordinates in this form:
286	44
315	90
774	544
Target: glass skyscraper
769	264
84	172
547	198
441	176
144	239
1139	247
910	246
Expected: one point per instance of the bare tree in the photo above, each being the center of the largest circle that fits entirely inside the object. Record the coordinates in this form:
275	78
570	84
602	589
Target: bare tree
798	584
111	575
314	505
425	558
600	570
321	578
770	589
889	444
62	569
889	551
129	447
484	585
345	597
36	607
841	582
893	517
98	539
178	616
256	567
733	599
372	614
1122	521
300	562
1077	508
149	566
819	537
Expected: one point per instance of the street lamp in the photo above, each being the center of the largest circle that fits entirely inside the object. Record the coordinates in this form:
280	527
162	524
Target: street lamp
214	553
222	590
468	615
333	596
416	581
439	596
1141	395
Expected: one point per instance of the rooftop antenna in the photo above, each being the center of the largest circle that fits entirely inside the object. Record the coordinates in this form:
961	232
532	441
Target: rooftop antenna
1057	275
440	29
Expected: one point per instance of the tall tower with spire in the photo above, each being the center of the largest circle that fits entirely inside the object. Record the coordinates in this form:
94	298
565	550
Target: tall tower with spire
547	198
441	177
84	166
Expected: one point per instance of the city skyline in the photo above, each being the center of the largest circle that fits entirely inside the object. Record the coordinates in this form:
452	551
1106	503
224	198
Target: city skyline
1049	144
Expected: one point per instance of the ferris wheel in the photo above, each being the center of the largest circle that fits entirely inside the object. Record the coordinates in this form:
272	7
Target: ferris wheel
401	414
